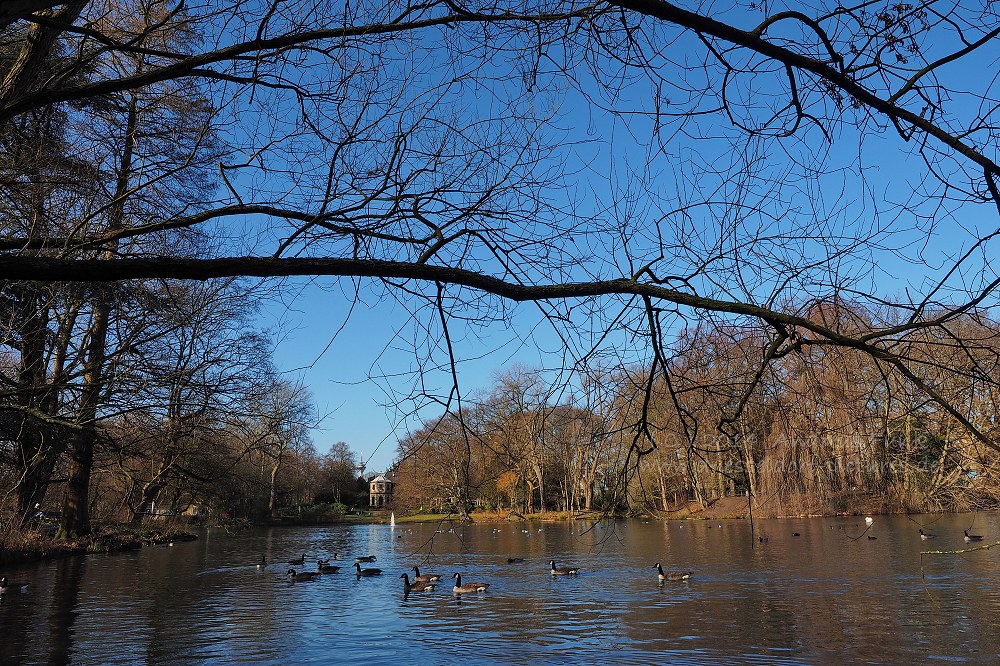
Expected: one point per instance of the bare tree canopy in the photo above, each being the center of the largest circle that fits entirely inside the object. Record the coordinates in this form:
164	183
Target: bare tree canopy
633	168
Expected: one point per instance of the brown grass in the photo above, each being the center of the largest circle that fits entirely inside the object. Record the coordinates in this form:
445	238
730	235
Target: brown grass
31	545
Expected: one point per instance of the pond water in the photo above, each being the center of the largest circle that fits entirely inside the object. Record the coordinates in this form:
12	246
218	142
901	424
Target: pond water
829	595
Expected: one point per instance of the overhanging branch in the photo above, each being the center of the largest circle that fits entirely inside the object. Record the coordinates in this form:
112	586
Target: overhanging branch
706	25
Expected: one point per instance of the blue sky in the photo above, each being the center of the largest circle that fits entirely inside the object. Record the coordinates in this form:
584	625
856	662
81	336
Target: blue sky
357	366
336	369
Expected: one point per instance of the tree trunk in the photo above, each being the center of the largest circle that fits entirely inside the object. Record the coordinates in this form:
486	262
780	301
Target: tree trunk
24	71
661	478
75	520
150	491
39	444
540	484
76	512
34	448
694	480
39	459
76	507
272	503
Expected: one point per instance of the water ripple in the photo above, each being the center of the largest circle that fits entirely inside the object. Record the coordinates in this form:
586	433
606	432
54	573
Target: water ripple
820	598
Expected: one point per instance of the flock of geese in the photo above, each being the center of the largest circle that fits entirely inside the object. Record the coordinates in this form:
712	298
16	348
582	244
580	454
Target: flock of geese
427	582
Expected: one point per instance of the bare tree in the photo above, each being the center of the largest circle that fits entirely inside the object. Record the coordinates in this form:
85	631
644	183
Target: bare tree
178	383
339	466
279	421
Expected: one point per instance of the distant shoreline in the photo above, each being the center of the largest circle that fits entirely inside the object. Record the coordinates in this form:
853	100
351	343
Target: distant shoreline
34	545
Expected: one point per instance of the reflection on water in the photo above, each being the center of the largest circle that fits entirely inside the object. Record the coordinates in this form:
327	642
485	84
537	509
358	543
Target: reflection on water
830	595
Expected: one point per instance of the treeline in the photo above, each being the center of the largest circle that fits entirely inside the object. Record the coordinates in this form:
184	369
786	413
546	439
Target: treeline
157	399
800	427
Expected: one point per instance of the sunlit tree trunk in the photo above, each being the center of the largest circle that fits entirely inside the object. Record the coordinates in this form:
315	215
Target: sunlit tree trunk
272	502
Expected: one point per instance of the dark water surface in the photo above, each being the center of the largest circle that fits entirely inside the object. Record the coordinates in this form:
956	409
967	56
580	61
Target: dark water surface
822	597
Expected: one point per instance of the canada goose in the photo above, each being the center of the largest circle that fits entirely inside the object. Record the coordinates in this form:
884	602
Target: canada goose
468	587
671	575
925	536
796	534
301	560
6	587
762	539
305	575
872	538
262	563
972	537
365	558
322	567
366	572
426	578
563	571
415	586
514	560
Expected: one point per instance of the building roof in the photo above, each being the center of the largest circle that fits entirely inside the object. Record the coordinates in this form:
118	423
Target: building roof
380	477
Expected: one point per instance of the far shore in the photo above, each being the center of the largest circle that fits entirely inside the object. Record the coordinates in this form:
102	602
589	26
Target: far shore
33	545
